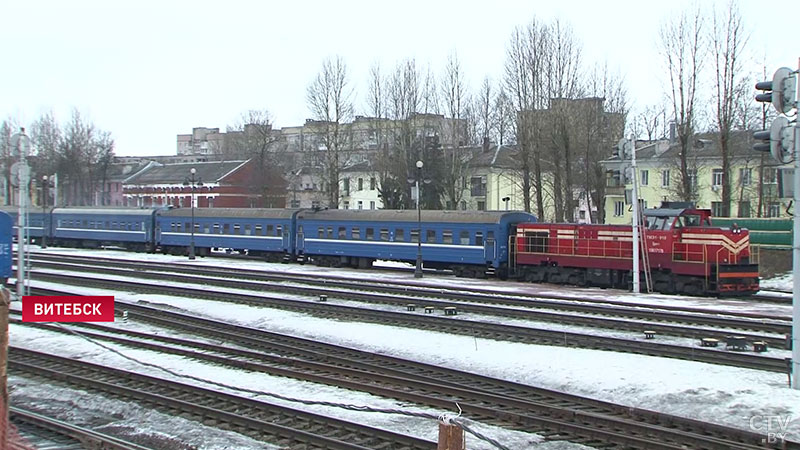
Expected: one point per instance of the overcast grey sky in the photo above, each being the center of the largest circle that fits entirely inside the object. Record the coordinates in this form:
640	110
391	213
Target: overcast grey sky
149	70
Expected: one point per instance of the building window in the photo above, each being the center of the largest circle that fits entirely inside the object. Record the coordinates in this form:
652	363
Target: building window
346	186
360	204
477	186
315	204
716	177
665	178
481	205
346	204
210	201
774	209
645	176
372	204
372	184
360	184
770	175
619	208
744	209
716	209
746	176
295	203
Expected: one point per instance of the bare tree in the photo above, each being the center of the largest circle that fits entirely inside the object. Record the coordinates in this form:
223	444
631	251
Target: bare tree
727	44
562	70
524	84
329	98
649	122
503	117
484	108
456	155
7	129
253	138
682	46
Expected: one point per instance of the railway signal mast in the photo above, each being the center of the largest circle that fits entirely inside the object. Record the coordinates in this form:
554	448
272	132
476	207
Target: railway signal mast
20	146
627	149
782	141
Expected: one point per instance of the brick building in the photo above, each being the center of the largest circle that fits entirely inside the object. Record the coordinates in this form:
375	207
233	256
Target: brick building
218	184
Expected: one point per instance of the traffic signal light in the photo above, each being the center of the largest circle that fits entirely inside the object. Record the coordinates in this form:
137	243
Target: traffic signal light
781	92
778	140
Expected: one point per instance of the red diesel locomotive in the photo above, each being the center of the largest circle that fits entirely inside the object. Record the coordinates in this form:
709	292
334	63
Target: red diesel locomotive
682	253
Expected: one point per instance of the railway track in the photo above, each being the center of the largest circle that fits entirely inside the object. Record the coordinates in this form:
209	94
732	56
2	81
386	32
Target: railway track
281	426
555	415
694	323
476	328
42	432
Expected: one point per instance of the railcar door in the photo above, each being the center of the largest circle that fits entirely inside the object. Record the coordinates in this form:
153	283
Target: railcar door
490	247
300	238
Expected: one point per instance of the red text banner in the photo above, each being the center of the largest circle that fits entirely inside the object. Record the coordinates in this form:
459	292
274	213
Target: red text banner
67	308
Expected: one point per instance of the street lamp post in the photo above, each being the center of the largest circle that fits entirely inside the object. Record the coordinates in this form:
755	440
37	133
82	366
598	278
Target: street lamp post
418	268
191	181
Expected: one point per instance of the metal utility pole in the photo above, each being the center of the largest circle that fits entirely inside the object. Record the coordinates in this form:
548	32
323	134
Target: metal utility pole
636	247
20	145
418	267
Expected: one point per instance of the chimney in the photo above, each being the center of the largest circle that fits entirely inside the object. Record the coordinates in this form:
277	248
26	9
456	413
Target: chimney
672	132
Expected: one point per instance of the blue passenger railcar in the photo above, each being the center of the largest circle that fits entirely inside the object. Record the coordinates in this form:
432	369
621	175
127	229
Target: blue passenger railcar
37	222
257	231
129	228
471	243
6	233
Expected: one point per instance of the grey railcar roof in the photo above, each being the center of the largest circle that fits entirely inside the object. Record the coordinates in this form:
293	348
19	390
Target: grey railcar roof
105	211
408	215
245	213
663	212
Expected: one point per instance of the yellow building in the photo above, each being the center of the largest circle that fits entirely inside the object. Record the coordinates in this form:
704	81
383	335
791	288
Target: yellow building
659	179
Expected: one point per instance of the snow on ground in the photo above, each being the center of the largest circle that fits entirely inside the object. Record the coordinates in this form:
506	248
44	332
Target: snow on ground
742	398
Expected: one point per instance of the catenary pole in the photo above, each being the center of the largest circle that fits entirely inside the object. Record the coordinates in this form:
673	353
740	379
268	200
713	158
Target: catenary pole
796	242
636	287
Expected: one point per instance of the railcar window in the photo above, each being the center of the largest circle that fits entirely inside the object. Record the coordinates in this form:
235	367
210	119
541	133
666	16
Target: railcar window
478	238
259	230
431	236
384	234
216	228
399	235
197	228
226	228
355	233
143	226
108	225
330	232
247	230
269	230
321	232
414	235
447	237
370	235
91	224
237	229
464	238
206	228
187	226
342	233
279	230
